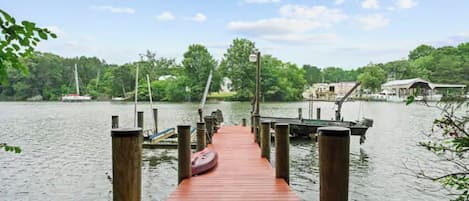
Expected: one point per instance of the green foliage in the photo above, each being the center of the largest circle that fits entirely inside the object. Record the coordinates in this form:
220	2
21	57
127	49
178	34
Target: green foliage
281	81
312	74
9	148
236	66
372	77
197	65
18	40
421	51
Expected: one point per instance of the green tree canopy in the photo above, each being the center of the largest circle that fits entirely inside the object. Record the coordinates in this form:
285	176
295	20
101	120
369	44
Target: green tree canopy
236	66
372	77
421	51
312	74
198	63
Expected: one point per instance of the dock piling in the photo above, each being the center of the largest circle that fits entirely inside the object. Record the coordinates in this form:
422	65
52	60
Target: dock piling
115	121
184	152
209	128
140	119
257	119
201	141
265	140
318	113
300	113
334	149
252	123
126	164
155	119
244	122
282	152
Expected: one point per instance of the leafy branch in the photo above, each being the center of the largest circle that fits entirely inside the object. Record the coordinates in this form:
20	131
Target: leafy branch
9	148
18	40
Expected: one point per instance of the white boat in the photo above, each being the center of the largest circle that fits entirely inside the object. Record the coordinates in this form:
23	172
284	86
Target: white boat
75	97
118	99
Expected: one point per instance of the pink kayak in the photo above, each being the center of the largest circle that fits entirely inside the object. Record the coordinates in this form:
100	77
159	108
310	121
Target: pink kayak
204	161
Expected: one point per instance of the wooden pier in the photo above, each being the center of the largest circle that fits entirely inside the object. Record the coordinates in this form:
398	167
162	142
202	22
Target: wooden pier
241	173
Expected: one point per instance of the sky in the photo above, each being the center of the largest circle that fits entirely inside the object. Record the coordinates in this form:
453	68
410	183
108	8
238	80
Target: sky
343	33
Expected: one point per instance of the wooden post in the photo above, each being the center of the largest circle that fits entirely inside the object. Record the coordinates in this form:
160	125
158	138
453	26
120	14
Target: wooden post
184	152
257	135
126	164
318	113
115	121
265	140
140	119
334	153
209	128
244	122
200	136
300	113
282	150
252	123
155	119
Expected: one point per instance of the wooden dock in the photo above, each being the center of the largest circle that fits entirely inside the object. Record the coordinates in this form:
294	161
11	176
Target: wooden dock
241	173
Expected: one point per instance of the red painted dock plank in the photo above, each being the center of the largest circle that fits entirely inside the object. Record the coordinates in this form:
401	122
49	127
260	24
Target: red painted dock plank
241	174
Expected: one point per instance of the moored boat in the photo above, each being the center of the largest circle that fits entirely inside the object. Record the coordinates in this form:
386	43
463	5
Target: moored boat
204	161
76	97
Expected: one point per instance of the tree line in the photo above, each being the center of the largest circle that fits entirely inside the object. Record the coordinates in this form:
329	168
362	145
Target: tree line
51	76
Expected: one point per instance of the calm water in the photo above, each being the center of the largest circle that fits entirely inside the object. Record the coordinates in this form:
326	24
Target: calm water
67	150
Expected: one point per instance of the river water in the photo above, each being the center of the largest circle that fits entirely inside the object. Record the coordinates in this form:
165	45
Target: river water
67	149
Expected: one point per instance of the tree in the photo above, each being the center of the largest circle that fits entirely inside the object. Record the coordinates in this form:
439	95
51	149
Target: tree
421	51
372	77
312	74
197	65
236	66
18	41
333	74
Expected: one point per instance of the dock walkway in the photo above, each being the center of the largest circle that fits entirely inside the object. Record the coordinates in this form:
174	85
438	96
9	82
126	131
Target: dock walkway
241	174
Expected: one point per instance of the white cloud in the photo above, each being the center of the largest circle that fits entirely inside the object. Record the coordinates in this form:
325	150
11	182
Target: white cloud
294	19
338	2
114	9
165	16
58	31
372	21
71	43
199	17
302	38
406	3
272	26
261	1
370	4
319	14
293	25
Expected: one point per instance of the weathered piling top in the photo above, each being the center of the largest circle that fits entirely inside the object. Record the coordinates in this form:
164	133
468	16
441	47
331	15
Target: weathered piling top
241	173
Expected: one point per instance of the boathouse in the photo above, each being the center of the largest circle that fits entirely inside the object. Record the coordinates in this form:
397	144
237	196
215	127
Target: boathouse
399	90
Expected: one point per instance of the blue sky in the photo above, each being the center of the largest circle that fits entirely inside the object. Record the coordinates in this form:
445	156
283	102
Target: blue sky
344	33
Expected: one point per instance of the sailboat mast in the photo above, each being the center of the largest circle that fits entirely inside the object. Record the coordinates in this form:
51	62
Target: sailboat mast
136	96
76	80
151	99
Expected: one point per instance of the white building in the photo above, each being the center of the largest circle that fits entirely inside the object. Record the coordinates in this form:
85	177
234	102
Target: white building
399	90
226	85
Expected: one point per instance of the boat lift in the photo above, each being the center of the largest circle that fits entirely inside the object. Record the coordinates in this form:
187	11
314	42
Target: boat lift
342	100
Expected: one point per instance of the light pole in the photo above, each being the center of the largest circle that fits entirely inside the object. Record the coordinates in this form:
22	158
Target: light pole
255	56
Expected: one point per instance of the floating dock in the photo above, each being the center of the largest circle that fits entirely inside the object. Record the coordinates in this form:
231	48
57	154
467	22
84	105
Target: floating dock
241	173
